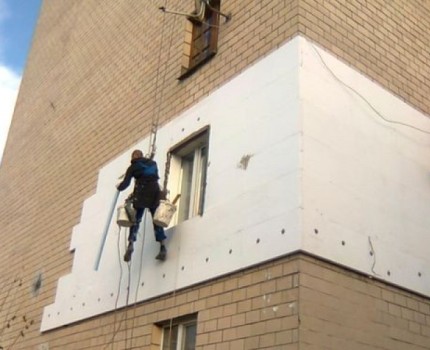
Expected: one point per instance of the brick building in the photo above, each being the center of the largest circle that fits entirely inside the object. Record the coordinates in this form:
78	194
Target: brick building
297	133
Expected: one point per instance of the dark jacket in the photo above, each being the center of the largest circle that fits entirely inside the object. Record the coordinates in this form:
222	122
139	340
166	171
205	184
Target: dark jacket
146	193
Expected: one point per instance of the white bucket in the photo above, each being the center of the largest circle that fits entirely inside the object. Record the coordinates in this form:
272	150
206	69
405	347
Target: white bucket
122	218
164	213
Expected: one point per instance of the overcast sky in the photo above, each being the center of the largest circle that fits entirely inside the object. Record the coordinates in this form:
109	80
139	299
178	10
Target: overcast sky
17	22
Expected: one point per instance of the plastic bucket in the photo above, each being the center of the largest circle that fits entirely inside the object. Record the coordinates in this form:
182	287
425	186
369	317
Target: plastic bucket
164	213
122	218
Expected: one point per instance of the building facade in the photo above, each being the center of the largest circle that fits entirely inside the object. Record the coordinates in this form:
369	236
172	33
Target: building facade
296	133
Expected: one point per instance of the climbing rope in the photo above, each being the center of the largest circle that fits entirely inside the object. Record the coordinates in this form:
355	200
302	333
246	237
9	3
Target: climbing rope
145	213
118	292
156	116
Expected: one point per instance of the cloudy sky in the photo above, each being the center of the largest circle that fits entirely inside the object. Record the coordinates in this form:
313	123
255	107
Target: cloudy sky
17	22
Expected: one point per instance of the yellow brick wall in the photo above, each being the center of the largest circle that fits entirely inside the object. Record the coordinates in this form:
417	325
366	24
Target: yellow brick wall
92	87
388	41
100	72
293	303
340	309
253	309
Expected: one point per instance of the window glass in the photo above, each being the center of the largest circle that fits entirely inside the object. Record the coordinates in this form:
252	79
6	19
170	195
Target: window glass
202	180
187	165
188	169
180	334
190	337
170	338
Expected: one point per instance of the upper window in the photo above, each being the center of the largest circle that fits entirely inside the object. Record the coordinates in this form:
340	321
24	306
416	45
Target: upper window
201	36
188	168
180	334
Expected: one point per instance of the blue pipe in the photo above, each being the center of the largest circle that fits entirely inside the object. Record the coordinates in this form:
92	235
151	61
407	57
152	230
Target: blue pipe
106	230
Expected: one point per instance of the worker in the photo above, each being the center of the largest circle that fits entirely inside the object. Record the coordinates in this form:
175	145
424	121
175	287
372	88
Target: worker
146	195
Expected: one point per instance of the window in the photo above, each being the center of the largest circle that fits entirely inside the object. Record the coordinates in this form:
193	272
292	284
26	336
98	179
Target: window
188	168
201	37
180	334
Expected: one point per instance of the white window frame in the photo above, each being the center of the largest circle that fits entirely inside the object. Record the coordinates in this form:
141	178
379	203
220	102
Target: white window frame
192	145
182	325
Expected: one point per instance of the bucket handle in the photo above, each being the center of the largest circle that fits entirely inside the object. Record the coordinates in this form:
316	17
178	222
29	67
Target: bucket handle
176	198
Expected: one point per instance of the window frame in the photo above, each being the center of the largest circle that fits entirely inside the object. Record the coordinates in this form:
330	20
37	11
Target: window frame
194	30
181	323
197	194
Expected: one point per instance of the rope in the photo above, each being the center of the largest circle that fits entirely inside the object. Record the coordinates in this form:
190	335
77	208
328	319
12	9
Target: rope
158	98
174	303
126	303
140	270
166	174
128	290
118	292
379	114
167	171
156	118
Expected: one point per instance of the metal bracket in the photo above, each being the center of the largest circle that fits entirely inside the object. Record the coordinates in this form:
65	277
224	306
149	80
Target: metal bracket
199	13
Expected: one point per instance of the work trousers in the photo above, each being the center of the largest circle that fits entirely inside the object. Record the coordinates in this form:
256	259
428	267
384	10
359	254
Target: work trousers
158	230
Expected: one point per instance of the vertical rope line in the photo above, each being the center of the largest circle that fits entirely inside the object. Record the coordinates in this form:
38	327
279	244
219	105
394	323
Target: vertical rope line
118	293
153	139
152	142
166	66
119	284
174	299
155	119
126	303
158	117
140	271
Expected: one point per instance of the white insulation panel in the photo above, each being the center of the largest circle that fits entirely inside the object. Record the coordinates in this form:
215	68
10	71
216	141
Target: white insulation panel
366	173
251	215
337	168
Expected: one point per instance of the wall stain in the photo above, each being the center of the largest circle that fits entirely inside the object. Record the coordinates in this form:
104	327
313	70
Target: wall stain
244	162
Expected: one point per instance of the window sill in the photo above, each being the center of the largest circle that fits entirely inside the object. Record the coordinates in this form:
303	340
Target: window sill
188	72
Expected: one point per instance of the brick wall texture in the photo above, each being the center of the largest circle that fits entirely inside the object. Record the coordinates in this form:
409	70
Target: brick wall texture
297	302
99	73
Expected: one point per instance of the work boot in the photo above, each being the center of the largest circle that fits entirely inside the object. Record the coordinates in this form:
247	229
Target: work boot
162	254
128	252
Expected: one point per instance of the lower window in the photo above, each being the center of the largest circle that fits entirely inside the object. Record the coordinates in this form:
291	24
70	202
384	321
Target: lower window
180	334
